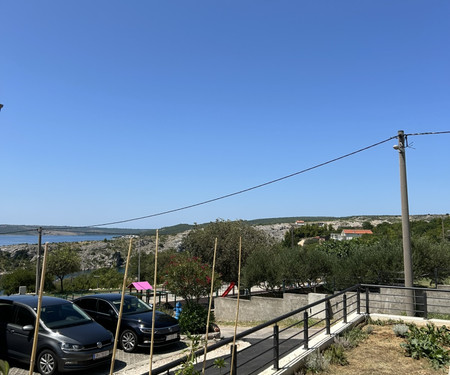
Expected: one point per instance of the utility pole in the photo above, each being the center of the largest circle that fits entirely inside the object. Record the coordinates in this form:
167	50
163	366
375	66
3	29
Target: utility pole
38	259
406	233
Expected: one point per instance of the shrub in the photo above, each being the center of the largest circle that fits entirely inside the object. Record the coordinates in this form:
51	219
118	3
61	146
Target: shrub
4	367
427	342
355	336
193	318
400	330
317	362
188	278
336	355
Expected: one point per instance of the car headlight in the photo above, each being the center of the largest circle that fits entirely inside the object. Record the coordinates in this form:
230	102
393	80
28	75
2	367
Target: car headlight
145	329
67	347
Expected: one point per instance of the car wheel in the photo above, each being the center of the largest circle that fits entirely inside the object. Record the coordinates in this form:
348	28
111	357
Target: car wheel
128	341
47	363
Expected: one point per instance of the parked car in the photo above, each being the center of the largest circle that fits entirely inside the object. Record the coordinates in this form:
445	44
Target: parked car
68	338
136	323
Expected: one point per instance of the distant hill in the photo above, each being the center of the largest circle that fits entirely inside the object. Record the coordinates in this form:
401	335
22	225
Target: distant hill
180	228
66	230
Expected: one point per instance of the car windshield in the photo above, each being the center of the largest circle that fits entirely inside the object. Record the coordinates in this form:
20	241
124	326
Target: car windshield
132	306
63	315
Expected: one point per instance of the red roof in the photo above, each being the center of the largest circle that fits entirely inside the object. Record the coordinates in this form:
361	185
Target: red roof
357	231
141	285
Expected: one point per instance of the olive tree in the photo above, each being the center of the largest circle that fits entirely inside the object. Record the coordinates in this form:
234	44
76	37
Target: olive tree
189	278
200	243
63	261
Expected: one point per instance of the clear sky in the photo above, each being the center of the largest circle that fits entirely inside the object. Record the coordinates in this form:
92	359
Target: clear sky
121	109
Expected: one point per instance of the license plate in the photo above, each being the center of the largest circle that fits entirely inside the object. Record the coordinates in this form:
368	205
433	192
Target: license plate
171	337
101	354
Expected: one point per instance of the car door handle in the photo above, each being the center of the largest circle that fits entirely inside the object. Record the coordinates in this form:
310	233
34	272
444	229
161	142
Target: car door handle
11	330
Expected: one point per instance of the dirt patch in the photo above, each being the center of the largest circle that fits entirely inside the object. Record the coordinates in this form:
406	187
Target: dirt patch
382	354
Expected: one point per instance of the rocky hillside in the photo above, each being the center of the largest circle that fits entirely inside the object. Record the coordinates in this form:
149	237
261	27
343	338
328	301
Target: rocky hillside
96	254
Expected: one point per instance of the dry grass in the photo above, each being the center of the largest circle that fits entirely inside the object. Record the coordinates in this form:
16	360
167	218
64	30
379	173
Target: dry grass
381	354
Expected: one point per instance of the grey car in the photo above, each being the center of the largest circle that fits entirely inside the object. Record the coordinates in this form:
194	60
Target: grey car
68	338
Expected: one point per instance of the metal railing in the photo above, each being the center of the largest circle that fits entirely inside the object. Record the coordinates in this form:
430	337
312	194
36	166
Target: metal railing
425	303
290	332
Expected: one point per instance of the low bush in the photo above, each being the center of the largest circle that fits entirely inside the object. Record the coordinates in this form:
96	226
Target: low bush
400	330
335	354
317	362
193	318
428	342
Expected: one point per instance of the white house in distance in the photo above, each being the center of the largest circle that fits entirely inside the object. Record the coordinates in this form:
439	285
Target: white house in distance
349	234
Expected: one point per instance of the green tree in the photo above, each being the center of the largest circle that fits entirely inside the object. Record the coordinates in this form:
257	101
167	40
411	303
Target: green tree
374	262
367	225
147	264
10	282
293	236
189	278
20	277
100	278
307	265
265	268
200	243
430	256
63	261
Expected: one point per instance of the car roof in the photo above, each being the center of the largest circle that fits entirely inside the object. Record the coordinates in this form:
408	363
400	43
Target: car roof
107	296
32	301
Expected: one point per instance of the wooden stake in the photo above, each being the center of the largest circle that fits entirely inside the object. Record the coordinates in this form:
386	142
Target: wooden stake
210	303
154	305
237	306
125	276
38	312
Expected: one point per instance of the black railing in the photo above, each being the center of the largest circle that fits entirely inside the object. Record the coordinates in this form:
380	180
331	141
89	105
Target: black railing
290	331
298	328
402	301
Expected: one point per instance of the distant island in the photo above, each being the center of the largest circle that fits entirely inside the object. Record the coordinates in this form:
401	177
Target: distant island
179	228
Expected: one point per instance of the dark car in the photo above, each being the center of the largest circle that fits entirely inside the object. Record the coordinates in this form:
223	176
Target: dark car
68	338
136	323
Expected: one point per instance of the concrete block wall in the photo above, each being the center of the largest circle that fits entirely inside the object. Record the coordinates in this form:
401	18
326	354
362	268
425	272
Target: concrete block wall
266	308
394	301
259	308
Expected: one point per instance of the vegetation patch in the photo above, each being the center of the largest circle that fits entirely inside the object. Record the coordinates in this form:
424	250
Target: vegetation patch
379	353
428	342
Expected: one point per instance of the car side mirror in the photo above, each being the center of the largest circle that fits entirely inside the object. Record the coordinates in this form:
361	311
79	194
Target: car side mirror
111	313
28	328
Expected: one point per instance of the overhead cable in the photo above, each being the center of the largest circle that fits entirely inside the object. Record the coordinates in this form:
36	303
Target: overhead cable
245	190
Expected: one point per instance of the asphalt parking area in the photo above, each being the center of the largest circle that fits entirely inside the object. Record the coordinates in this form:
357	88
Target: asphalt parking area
124	363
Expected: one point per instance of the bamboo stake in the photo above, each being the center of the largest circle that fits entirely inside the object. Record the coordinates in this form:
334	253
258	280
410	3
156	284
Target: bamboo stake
210	303
38	312
237	307
154	305
121	308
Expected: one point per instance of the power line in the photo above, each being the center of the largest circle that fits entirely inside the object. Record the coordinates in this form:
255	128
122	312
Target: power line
429	133
245	190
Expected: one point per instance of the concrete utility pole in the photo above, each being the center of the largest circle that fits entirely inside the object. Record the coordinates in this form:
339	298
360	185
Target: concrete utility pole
406	233
38	259
407	256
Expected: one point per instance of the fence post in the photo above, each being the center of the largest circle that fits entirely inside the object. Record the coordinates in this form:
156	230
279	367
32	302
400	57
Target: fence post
305	331
435	277
345	308
425	305
367	301
276	347
358	300
233	351
327	318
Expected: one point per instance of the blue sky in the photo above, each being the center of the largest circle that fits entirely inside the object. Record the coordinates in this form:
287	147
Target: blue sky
115	110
